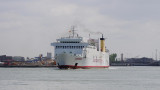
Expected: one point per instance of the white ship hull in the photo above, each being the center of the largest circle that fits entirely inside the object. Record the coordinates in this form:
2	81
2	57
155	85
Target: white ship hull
91	60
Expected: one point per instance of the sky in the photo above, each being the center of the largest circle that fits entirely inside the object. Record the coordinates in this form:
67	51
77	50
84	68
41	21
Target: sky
131	27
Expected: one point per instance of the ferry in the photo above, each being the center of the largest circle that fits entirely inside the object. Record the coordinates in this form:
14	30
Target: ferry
75	52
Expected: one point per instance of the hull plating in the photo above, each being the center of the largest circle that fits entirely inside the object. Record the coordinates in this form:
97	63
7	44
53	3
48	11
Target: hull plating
66	60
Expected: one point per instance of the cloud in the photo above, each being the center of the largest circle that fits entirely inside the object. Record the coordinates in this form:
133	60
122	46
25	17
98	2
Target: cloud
28	27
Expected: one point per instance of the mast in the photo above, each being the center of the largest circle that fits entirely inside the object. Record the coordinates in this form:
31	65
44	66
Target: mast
73	31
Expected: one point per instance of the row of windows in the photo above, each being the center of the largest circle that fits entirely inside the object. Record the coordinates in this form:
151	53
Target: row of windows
69	47
70	42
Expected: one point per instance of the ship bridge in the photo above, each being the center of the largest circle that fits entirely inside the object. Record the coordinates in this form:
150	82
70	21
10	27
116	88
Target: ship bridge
69	45
70	42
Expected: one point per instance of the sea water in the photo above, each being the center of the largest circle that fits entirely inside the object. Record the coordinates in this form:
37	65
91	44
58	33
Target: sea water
113	78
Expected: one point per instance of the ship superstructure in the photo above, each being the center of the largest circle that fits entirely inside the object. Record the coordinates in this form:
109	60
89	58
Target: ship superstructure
77	52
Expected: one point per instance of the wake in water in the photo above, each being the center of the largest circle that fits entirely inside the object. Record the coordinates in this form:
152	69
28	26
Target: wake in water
114	68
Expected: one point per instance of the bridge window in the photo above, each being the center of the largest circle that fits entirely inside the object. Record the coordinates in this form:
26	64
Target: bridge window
69	47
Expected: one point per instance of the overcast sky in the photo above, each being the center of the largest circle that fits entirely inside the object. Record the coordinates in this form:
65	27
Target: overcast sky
27	27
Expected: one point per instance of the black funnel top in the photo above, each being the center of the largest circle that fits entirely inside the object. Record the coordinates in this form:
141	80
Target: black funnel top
102	38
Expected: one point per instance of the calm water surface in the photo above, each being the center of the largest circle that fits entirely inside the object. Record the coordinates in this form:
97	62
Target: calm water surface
114	78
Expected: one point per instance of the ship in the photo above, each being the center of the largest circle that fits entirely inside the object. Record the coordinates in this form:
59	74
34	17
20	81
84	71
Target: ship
74	51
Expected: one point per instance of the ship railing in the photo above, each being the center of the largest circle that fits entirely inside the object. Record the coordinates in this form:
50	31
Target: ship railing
92	47
71	37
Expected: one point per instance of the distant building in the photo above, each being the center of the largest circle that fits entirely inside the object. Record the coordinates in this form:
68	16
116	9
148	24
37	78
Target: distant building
143	60
18	58
122	57
49	55
5	58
